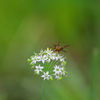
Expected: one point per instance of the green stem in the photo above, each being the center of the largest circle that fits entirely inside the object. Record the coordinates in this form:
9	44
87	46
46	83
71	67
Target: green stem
94	73
54	64
44	90
51	64
57	62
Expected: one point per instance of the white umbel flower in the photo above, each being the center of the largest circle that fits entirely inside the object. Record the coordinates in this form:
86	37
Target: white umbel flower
46	75
45	57
34	59
48	59
48	62
57	76
42	59
41	52
57	69
61	58
57	56
48	51
38	69
38	58
52	56
62	71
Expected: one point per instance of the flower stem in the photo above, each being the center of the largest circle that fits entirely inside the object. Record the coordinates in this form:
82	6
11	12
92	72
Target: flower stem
54	64
94	73
44	90
51	64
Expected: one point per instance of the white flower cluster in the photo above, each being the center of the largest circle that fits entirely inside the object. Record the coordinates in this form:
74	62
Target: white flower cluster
48	64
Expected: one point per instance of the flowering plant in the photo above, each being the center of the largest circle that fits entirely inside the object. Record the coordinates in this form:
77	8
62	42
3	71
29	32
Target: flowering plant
48	64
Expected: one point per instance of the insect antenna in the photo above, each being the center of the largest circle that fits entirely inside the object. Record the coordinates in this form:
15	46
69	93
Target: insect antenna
58	43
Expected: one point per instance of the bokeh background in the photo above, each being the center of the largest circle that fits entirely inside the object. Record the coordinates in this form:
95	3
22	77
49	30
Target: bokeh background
27	26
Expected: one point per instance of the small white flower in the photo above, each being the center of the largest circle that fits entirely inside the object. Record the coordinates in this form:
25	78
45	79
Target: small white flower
38	58
57	56
61	58
42	59
34	59
57	69
48	51
38	69
48	60
45	57
62	71
56	75
52	56
63	63
41	52
46	75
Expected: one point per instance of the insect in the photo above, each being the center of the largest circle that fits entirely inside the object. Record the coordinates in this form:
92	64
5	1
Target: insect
58	48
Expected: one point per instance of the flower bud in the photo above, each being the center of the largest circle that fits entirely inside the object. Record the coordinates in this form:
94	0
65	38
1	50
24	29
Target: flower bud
36	72
59	78
51	79
63	63
66	73
32	64
29	60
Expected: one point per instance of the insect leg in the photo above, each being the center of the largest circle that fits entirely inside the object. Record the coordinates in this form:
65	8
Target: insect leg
54	45
65	46
63	51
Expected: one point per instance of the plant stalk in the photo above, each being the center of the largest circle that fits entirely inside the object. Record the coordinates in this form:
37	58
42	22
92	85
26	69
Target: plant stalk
94	73
44	90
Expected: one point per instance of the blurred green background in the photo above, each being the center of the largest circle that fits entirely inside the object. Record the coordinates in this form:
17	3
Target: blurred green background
26	26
